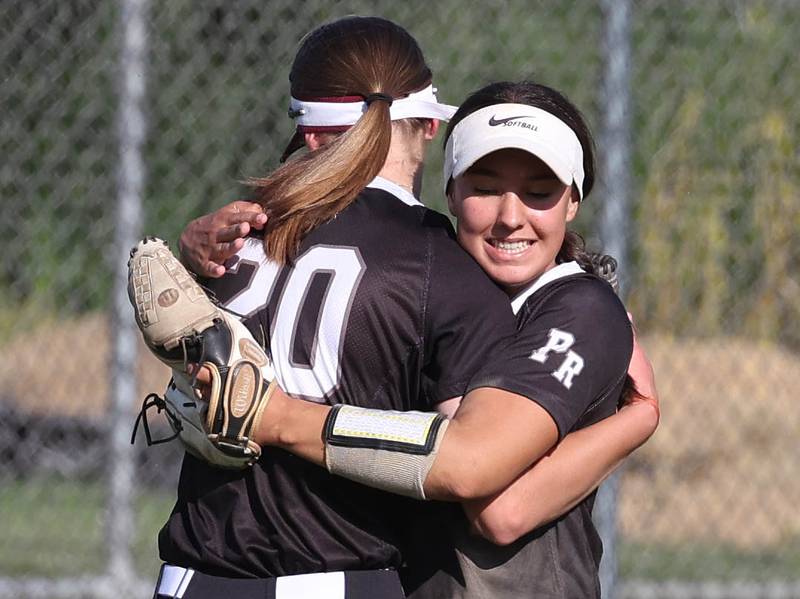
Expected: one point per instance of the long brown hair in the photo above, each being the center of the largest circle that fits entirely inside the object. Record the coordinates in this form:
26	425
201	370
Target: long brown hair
353	56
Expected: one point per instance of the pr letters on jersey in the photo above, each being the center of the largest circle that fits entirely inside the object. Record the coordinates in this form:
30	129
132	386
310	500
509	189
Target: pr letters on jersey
560	342
338	269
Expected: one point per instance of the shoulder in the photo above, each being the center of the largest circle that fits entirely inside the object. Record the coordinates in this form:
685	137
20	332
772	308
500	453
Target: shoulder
572	348
584	312
584	297
427	231
416	221
437	222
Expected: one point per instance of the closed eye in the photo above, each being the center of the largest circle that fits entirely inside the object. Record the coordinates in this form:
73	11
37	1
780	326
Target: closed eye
544	191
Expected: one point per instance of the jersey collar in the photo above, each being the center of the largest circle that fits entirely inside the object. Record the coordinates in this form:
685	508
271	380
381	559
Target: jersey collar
393	188
558	272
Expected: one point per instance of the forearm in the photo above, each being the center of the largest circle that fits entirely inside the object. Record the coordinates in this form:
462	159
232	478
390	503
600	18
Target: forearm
494	436
294	425
562	479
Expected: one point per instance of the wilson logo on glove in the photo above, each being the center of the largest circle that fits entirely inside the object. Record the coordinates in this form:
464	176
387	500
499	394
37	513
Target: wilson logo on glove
168	297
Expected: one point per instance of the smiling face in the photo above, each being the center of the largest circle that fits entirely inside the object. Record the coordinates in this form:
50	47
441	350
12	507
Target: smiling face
512	215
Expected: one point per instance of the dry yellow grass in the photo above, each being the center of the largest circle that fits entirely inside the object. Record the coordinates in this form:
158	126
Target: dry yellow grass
63	369
723	466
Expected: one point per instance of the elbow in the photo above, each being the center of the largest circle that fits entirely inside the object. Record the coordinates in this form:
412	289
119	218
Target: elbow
499	527
656	417
503	521
500	521
652	419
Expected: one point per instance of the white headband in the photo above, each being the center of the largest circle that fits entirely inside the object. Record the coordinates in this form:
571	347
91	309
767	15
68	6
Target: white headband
515	126
421	104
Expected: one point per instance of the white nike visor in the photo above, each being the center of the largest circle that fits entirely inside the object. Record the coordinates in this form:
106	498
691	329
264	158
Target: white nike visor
519	126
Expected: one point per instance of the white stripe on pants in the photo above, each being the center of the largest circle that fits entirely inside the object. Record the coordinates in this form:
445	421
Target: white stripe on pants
323	585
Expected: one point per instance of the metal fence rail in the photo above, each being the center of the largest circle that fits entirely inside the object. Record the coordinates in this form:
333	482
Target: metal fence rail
122	116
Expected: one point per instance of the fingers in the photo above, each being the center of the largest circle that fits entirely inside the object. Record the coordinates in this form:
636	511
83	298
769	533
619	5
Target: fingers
222	252
203	375
212	270
232	233
249	217
236	220
245	206
241	212
208	269
209	241
208	259
259	221
202	379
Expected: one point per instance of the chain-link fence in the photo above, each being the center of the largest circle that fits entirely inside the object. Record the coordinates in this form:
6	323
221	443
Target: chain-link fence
108	103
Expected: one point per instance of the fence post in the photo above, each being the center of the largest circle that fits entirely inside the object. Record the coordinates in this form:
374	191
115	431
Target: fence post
614	225
131	175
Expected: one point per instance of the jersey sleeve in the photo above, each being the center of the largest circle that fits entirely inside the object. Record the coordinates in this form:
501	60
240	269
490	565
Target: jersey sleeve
467	318
569	355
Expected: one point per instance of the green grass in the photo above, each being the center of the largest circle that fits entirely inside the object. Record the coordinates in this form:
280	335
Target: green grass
54	527
697	562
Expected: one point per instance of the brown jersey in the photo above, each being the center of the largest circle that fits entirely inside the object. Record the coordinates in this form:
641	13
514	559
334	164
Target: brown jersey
570	356
381	308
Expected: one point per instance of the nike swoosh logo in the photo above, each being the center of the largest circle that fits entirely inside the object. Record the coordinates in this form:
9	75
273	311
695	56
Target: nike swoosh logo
493	122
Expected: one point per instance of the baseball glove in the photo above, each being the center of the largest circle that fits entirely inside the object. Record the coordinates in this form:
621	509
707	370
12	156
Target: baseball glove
181	326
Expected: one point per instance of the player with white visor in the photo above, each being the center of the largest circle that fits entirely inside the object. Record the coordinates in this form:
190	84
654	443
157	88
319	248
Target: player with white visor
518	161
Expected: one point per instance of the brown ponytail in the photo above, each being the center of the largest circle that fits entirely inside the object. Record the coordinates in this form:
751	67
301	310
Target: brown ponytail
354	56
573	248
311	190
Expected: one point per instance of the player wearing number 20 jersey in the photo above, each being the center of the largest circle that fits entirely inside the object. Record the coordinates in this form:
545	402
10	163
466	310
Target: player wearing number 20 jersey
380	306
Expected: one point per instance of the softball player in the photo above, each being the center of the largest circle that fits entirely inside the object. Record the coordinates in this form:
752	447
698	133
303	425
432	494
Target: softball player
363	298
518	163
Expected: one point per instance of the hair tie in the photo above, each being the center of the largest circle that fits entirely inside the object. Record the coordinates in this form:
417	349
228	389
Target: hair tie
383	97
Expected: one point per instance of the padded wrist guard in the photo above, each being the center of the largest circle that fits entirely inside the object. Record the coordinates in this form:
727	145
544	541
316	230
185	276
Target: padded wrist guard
388	450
